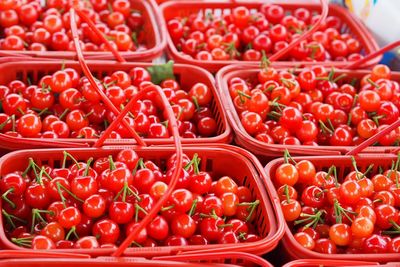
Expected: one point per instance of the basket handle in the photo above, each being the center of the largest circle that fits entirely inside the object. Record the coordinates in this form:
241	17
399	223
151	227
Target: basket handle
314	28
99	34
373	55
120	117
90	77
374	138
217	256
171	186
20	254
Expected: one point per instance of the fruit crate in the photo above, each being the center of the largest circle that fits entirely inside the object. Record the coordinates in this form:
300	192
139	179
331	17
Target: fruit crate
351	25
185	74
202	259
268	151
292	249
215	159
334	263
153	28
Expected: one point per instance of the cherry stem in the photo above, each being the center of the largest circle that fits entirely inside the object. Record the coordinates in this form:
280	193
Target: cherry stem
64	114
36	215
127	191
70	232
330	125
63	199
252	207
43	171
10	218
211	215
225	225
66	154
286	192
193	208
333	170
21	111
265	62
324	128
313	219
371	82
193	161
137	244
340	211
393	232
23	241
112	164
6	199
338	78
138	163
287	156
167	208
137	209
87	166
88	114
42	112
196	103
2	125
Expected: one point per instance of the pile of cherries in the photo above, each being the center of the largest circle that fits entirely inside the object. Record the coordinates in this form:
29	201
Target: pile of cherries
242	35
65	105
317	107
27	25
356	214
97	203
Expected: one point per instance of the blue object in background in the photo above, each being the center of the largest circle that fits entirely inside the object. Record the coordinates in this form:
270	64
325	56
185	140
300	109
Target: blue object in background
387	58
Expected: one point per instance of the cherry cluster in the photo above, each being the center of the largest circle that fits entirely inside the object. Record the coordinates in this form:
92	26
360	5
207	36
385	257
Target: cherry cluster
317	107
97	203
243	35
65	105
27	25
357	214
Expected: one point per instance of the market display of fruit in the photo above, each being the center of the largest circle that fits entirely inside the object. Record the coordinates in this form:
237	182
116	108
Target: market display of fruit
242	34
95	204
316	107
341	210
28	25
63	104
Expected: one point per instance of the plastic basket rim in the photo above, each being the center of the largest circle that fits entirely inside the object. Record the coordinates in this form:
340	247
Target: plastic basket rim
368	41
271	239
226	134
155	51
288	238
258	147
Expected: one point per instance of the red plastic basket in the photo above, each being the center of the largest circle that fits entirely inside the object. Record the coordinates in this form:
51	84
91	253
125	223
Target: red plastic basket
185	75
216	159
200	260
330	263
343	164
173	9
257	147
155	37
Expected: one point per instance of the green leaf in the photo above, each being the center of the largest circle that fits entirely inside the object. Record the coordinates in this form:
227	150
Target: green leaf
162	72
1	106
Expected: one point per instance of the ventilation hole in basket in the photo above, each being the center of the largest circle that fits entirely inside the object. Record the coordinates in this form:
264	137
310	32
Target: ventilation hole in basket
216	12
161	162
178	78
30	77
217	116
209	165
226	11
56	163
19	75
